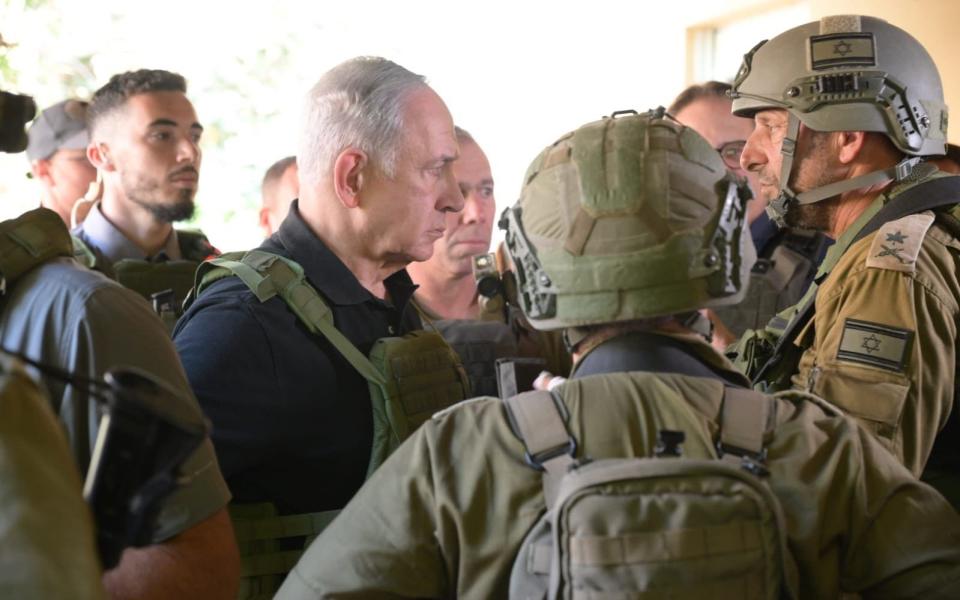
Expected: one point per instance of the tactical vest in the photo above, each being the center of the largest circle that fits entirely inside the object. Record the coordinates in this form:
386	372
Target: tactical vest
409	378
479	344
778	280
164	284
663	527
28	241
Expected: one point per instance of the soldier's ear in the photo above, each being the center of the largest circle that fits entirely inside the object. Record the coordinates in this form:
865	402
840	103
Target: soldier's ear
99	156
849	145
349	171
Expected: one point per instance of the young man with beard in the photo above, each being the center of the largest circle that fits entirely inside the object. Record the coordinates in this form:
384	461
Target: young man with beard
841	149
144	140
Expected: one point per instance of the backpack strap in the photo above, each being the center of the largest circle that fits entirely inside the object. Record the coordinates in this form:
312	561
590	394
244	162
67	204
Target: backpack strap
268	275
744	416
539	420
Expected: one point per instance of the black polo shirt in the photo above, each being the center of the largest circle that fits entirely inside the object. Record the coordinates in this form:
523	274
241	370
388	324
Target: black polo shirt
292	421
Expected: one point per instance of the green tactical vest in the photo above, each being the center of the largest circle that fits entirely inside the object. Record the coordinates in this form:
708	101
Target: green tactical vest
410	378
30	240
164	284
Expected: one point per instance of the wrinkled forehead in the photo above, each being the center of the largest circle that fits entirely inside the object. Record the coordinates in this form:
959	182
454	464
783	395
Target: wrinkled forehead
427	123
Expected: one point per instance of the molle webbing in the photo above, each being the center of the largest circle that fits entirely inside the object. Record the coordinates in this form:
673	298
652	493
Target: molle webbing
30	240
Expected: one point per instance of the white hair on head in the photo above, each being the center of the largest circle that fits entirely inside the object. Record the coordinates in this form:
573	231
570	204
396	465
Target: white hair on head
359	103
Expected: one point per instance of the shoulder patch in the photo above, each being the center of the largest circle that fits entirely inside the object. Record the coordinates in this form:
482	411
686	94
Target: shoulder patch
897	244
874	344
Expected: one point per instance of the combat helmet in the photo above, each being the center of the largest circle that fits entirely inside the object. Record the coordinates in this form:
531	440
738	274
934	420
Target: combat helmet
630	217
845	73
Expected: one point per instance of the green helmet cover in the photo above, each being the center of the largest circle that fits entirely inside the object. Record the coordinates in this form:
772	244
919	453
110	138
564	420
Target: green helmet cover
630	217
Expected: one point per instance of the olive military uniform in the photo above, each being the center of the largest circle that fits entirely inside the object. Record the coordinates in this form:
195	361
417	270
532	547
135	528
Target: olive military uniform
882	342
446	514
47	546
67	316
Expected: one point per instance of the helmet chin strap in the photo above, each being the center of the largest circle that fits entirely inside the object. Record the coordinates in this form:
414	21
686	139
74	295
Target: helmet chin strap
777	209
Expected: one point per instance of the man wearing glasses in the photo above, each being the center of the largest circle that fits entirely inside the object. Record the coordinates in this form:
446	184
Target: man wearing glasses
787	259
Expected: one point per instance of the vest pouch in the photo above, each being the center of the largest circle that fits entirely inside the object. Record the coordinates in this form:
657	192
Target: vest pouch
423	375
658	528
147	278
479	344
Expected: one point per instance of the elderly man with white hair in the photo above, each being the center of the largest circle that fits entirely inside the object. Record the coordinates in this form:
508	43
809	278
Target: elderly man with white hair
293	423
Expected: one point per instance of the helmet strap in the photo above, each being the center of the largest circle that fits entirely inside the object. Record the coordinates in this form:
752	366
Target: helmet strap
777	209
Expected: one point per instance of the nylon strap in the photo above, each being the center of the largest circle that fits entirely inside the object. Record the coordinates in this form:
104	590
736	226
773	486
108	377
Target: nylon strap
541	425
743	421
268	274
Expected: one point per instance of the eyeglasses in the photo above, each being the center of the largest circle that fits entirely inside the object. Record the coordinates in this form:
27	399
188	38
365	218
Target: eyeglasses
730	153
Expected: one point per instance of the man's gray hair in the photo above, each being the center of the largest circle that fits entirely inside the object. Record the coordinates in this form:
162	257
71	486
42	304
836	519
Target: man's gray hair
358	103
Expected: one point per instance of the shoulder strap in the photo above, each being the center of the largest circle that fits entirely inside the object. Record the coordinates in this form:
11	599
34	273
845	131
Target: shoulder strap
268	275
938	193
539	419
30	240
744	416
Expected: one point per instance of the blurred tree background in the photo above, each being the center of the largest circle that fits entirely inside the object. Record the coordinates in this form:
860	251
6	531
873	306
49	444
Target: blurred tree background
516	75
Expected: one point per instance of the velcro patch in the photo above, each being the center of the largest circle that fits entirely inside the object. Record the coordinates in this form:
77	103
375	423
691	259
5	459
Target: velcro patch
897	244
874	344
842	50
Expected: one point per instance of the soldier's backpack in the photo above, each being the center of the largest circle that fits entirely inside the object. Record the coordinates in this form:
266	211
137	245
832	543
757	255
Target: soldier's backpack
410	378
665	527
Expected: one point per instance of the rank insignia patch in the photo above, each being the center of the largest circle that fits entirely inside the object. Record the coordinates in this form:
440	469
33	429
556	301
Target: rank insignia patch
874	344
897	244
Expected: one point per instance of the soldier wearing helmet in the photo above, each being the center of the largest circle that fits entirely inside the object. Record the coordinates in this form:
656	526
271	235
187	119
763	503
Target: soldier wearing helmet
847	110
624	229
